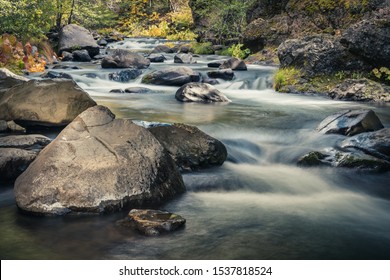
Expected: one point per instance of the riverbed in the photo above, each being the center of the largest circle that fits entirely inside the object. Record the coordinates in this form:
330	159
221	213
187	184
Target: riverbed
258	205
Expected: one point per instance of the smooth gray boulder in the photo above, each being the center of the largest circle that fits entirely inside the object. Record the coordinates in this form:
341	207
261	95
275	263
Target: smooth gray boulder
74	37
191	148
52	102
152	222
185	58
120	58
350	122
98	164
200	92
172	76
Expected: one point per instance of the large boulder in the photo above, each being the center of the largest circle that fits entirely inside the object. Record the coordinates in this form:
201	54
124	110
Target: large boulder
47	102
9	79
120	58
200	92
74	37
360	90
98	164
375	143
191	148
369	40
172	76
350	122
318	54
152	222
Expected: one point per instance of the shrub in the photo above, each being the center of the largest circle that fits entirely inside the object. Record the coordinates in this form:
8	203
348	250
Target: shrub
286	76
202	48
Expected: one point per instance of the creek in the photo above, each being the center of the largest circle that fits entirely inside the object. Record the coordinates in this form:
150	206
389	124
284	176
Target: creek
258	205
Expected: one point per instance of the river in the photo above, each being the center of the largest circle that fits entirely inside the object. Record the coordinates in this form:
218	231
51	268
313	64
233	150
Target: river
258	205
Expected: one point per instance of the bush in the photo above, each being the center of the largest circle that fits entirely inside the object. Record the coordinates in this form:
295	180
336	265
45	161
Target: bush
381	74
202	48
236	51
285	77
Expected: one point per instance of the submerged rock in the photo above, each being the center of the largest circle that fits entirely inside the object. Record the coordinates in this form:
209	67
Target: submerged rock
172	76
153	222
200	92
191	148
120	58
48	102
138	90
98	164
350	122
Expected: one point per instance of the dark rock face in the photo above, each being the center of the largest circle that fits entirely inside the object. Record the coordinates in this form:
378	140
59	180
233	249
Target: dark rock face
200	92
172	76
369	40
81	56
9	79
360	90
234	64
73	37
120	58
318	54
3	126
125	76
184	58
375	143
14	161
350	122
46	102
191	148
153	222
226	74
156	58
98	164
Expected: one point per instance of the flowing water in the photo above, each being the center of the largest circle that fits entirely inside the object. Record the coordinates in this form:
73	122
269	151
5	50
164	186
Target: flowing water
258	205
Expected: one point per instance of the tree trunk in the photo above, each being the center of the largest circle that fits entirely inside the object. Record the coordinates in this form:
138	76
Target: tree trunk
59	14
71	13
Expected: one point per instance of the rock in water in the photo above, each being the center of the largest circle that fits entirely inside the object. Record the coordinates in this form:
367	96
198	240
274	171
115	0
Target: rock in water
120	58
14	161
98	164
172	76
350	122
125	76
47	102
199	92
234	64
225	74
81	55
375	143
190	147
184	58
74	37
153	222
